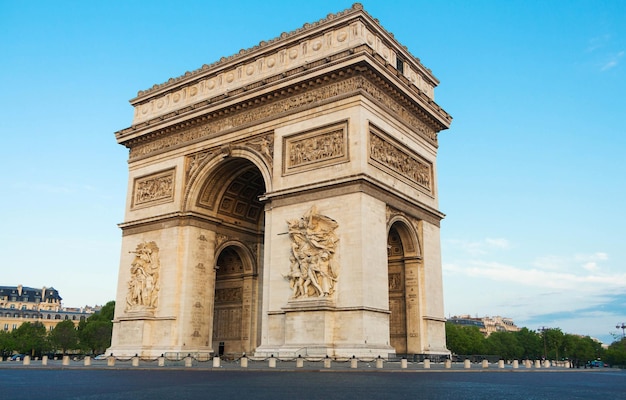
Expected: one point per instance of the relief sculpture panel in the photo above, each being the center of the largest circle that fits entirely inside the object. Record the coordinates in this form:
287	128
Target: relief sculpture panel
154	189
143	286
400	160
313	271
328	145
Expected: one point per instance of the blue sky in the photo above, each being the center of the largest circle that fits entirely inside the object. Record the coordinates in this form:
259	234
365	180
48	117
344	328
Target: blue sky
531	173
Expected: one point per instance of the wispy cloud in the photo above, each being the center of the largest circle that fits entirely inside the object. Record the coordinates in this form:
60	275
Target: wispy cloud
613	61
598	42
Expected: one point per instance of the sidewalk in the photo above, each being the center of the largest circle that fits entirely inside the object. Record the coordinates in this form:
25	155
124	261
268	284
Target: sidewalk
289	364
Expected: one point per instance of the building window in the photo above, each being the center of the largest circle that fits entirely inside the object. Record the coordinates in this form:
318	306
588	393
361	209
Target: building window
14	327
57	316
66	317
48	316
12	306
400	65
6	327
23	307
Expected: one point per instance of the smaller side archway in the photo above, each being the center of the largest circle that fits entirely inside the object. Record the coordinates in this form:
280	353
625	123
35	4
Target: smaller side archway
236	303
405	274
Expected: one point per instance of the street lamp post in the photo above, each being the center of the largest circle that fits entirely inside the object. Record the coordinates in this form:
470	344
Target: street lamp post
543	330
621	325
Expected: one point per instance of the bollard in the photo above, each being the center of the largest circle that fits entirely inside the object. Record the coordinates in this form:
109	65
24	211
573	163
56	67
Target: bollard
500	364
327	362
467	364
111	361
515	364
26	360
161	361
537	364
427	363
404	363
135	361
272	362
66	360
244	361
216	362
379	363
44	360
485	363
188	360
354	363
448	364
87	361
299	362
546	364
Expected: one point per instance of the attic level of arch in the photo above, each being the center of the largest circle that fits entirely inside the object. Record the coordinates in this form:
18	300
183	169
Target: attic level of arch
254	103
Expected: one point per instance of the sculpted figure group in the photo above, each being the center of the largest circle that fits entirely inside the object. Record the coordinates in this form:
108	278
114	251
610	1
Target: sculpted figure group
313	271
143	286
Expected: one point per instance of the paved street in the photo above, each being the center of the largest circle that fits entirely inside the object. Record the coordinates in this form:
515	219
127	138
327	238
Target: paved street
100	382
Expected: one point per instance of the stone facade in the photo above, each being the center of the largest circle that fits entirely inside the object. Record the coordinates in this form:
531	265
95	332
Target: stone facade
20	304
284	201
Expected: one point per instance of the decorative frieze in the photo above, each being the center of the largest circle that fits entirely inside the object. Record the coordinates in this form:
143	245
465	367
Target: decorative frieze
401	160
317	148
154	189
311	97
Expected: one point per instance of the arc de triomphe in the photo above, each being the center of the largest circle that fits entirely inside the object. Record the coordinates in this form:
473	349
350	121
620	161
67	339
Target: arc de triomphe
284	201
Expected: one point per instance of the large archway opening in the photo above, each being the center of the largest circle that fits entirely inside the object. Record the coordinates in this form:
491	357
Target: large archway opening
230	195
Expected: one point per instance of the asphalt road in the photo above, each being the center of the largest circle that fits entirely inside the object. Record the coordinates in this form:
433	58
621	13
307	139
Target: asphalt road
155	384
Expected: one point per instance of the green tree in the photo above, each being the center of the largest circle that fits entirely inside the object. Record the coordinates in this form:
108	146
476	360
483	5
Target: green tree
504	344
64	336
464	340
7	344
531	344
30	338
616	353
95	332
553	342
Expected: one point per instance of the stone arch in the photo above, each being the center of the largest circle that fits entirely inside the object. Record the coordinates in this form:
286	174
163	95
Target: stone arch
234	327
225	190
210	165
404	257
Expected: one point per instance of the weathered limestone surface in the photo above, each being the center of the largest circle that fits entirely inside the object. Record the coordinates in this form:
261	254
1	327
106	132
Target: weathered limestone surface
284	201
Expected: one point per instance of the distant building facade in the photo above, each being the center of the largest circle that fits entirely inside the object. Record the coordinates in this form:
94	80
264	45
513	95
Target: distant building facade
20	304
486	325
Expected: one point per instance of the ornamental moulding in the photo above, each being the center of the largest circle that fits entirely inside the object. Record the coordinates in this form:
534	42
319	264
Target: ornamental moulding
309	98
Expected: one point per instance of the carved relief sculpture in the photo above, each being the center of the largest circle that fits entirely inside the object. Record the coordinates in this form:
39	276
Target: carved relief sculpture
143	286
154	189
401	162
313	271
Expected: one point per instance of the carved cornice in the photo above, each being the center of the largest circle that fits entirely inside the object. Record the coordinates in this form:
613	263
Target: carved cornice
324	25
356	79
